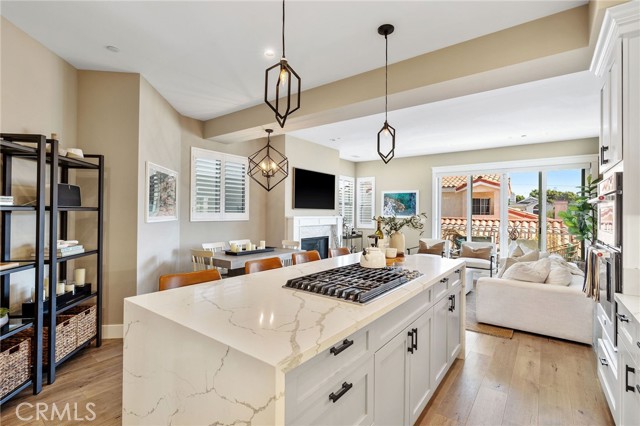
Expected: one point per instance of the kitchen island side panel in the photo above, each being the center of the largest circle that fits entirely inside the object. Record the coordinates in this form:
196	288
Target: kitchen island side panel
174	375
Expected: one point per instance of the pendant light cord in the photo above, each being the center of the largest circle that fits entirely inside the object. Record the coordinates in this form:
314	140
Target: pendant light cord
386	75
283	55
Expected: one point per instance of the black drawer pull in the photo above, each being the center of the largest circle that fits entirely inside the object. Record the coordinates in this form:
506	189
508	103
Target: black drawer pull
457	271
444	280
411	344
638	343
604	362
345	344
344	389
638	387
628	370
415	342
622	317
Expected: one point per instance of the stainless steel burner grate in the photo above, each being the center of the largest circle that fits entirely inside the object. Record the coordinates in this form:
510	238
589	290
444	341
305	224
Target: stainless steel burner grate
353	283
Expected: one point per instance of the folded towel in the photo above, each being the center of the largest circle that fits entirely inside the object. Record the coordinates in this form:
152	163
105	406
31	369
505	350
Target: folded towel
592	276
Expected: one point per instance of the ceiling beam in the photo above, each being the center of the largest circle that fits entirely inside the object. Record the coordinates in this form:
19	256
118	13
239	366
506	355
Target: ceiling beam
547	47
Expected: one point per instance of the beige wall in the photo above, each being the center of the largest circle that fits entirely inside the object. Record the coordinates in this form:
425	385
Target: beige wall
108	110
415	172
193	234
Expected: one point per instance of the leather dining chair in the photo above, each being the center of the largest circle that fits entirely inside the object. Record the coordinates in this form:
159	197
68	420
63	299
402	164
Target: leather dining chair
340	251
305	256
184	279
262	265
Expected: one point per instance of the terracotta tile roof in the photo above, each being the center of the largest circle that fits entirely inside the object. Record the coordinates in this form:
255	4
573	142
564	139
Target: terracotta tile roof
455	181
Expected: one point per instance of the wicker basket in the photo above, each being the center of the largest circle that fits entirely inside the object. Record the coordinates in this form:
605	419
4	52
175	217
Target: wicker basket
65	338
14	364
87	321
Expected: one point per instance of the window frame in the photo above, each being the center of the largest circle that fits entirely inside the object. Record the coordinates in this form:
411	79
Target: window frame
221	216
365	223
342	206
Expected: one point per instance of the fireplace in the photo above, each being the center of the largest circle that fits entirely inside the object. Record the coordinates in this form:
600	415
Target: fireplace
317	243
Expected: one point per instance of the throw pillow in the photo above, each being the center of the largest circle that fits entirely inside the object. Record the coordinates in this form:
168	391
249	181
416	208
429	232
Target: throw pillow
558	276
516	252
533	272
510	261
434	249
478	253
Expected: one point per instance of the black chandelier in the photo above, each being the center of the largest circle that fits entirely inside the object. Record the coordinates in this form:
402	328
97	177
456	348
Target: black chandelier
268	166
282	107
388	132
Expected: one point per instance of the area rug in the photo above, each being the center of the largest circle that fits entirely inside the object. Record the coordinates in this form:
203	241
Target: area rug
472	323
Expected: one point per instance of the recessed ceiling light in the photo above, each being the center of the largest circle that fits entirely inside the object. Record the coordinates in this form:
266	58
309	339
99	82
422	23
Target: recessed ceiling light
113	49
269	53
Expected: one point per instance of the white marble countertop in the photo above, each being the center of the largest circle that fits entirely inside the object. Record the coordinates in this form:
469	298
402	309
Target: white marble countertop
632	303
279	326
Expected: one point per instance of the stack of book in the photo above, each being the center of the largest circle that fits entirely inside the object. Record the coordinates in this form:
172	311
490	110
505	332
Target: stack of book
64	251
6	200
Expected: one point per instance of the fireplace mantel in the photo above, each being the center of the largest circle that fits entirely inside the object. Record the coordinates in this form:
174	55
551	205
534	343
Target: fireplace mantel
299	227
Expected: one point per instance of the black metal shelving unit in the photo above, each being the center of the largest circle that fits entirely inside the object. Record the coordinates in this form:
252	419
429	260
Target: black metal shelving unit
59	221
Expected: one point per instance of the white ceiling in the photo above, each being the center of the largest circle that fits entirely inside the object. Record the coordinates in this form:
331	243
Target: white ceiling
206	58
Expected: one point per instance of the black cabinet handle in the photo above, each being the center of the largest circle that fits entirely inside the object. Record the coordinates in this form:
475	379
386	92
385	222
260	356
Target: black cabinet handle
415	335
451	303
604	362
345	344
344	389
412	344
603	149
628	370
444	280
622	317
457	271
638	387
638	344
454	303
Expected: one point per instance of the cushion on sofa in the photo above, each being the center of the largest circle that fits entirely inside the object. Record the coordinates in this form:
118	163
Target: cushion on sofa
533	272
558	276
433	249
533	255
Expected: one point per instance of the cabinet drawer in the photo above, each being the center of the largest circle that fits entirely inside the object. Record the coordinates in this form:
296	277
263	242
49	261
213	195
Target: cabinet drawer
608	375
628	330
325	368
388	326
440	288
347	401
455	279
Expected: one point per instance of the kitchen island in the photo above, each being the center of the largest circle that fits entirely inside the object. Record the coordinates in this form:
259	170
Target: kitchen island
244	350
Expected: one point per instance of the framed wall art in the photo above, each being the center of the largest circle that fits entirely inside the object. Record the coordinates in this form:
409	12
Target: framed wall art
399	203
161	199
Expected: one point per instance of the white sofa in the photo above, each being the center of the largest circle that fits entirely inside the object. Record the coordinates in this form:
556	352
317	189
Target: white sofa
552	310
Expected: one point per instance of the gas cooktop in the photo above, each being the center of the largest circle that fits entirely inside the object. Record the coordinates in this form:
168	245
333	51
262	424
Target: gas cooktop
353	283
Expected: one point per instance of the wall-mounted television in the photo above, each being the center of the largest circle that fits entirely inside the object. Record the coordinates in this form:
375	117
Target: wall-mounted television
313	190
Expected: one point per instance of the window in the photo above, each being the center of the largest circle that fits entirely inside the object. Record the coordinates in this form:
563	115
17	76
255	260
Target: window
366	209
481	206
346	197
219	186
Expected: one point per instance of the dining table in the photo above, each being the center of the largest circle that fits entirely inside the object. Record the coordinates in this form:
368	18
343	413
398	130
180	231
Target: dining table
234	263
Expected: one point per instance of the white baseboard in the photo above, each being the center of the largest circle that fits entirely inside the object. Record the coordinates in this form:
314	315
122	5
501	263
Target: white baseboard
112	331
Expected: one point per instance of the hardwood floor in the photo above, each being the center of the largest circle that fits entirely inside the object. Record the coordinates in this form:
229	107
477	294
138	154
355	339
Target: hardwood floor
529	379
93	376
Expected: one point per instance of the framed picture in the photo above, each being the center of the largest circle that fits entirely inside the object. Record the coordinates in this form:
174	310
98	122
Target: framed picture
161	200
399	203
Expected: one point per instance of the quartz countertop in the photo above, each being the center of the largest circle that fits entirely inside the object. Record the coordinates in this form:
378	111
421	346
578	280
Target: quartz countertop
282	327
632	303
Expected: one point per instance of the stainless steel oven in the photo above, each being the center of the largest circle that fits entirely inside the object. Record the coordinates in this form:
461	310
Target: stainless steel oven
610	269
609	204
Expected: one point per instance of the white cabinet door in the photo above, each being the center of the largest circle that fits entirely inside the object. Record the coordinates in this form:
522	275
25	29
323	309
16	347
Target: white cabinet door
630	392
611	113
390	387
453	325
439	341
419	372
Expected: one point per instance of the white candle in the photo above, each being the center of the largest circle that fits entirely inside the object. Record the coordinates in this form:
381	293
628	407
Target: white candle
262	244
60	288
46	288
70	287
79	276
234	247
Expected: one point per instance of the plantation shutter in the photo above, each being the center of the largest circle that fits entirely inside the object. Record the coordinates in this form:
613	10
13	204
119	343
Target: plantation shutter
219	186
346	197
366	188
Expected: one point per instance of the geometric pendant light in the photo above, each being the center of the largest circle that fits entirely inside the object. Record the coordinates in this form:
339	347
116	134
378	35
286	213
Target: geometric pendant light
268	166
283	80
386	135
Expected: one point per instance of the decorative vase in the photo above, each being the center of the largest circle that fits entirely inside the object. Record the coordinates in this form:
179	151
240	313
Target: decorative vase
4	320
396	240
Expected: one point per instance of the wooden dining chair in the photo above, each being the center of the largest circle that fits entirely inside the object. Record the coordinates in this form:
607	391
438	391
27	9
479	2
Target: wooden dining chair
188	278
290	244
340	251
203	259
239	243
258	265
305	256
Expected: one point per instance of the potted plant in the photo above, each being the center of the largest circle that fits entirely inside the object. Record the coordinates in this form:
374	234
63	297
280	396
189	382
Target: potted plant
4	316
393	225
581	216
